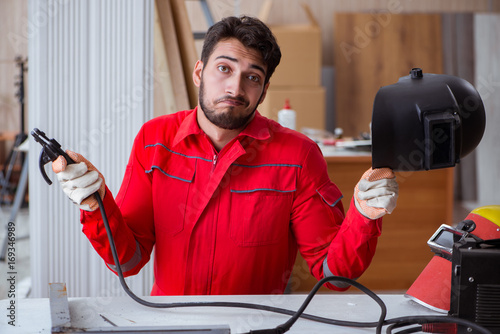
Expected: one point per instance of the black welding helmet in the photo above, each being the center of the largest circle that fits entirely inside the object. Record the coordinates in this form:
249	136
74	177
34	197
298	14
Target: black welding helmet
425	121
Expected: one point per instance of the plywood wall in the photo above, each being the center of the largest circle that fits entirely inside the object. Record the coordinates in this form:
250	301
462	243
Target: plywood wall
353	101
290	11
375	50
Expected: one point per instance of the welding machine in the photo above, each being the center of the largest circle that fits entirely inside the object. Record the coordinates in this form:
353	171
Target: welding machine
475	282
463	277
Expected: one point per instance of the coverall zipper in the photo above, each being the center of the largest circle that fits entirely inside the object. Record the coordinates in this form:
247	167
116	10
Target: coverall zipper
214	162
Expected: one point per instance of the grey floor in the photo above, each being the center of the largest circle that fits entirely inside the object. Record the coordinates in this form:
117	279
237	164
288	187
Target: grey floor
21	263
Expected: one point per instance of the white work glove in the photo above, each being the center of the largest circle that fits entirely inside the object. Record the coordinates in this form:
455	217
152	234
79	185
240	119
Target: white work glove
376	193
79	181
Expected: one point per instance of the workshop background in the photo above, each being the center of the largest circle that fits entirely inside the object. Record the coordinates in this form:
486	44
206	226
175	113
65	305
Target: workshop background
97	70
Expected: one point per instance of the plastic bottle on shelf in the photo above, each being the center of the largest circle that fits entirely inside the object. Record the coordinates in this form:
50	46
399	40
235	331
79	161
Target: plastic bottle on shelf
287	116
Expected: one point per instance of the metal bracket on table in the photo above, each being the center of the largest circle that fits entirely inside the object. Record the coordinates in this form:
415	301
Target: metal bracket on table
61	320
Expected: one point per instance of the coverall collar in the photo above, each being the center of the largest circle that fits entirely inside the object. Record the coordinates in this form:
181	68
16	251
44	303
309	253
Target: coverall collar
258	128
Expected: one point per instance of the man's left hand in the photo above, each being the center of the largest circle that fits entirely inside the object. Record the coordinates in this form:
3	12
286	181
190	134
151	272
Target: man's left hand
376	193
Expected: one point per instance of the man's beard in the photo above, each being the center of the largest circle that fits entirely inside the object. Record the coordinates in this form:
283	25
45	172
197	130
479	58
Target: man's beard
225	120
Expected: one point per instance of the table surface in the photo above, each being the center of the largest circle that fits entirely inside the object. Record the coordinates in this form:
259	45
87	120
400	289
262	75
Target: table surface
33	315
333	151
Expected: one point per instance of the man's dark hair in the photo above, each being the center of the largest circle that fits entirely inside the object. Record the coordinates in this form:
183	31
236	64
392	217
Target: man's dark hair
251	32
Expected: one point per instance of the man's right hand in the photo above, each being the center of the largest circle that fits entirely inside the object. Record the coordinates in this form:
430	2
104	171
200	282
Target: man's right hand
80	180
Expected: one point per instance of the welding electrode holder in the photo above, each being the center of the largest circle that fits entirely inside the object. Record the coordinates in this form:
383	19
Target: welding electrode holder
51	150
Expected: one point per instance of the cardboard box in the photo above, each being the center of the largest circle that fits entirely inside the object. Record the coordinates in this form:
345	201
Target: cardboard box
301	50
308	103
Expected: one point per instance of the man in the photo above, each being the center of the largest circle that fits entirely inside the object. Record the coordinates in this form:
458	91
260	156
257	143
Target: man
226	196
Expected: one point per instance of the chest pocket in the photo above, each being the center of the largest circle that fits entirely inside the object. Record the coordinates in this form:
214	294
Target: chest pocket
261	203
172	181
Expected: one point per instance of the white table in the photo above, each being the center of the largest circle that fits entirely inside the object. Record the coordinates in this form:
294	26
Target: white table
33	315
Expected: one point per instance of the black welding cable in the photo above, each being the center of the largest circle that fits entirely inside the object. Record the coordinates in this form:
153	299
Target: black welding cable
289	323
409	330
392	327
295	314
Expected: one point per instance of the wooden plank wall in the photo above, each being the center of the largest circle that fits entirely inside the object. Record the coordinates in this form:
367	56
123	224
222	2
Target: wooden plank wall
186	47
167	37
375	50
290	11
165	101
354	97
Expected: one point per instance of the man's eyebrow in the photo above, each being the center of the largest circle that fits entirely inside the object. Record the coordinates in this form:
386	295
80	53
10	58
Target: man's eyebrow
255	66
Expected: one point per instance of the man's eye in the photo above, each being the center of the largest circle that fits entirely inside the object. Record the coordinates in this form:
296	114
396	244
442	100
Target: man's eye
223	68
254	78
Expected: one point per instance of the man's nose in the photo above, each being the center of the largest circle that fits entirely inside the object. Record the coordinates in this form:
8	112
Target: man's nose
234	85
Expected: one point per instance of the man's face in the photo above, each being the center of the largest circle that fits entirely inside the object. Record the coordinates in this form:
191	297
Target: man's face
231	84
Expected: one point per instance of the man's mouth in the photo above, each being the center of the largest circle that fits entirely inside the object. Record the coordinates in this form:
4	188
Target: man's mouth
232	102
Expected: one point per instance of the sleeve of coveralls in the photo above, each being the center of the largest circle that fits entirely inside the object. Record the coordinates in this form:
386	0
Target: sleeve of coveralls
130	218
344	244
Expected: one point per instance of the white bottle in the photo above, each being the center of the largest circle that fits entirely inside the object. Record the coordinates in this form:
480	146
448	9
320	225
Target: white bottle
286	116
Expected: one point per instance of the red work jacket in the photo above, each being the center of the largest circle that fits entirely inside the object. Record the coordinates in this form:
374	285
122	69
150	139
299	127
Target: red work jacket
229	222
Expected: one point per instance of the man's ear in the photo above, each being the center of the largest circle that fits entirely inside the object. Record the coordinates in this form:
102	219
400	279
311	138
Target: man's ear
264	92
198	68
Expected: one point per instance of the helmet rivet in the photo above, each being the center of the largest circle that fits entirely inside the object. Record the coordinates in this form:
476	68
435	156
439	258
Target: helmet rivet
416	73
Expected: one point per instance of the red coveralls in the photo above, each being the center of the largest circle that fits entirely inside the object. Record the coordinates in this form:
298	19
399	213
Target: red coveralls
229	222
